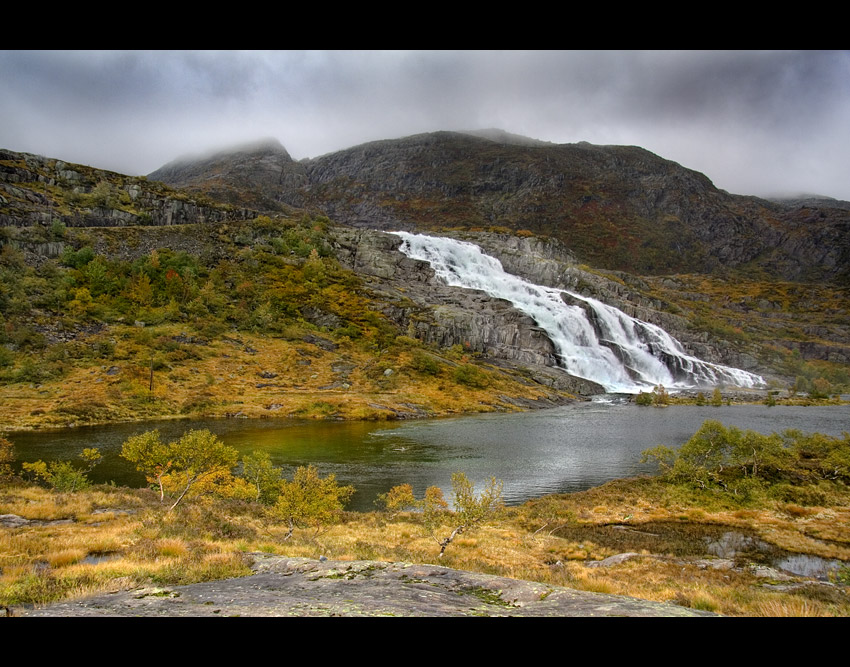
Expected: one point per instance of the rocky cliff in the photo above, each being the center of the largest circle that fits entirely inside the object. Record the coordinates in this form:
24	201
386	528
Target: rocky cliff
410	295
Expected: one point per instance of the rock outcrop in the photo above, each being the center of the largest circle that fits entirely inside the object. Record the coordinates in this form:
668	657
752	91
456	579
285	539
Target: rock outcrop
411	296
35	190
428	310
283	586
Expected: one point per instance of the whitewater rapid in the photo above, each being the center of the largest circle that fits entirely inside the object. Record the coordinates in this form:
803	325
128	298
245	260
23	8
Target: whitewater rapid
594	341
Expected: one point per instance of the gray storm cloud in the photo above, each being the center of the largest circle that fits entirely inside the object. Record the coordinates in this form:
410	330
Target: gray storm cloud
754	122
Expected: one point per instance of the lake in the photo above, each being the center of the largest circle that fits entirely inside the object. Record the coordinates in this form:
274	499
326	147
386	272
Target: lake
564	449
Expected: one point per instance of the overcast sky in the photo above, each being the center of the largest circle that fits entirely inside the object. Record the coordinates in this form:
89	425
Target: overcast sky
754	122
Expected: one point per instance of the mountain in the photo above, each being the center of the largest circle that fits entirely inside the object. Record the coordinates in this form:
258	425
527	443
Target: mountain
808	200
251	175
503	137
616	207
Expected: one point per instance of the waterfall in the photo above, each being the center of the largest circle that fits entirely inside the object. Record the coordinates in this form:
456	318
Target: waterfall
594	341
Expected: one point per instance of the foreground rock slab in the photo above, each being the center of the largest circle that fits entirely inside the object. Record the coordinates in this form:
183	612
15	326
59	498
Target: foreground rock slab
283	586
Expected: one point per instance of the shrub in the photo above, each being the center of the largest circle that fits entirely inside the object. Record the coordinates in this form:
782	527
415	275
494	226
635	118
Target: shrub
77	259
397	499
471	376
7	458
644	399
424	363
62	476
821	388
310	501
742	462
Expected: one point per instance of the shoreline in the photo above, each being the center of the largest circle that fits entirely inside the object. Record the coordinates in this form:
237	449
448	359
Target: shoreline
681	397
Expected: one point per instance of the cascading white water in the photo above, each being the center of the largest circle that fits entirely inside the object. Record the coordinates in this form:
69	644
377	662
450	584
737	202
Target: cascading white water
594	341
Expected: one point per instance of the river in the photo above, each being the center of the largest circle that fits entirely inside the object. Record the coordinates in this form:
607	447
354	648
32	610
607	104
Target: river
559	450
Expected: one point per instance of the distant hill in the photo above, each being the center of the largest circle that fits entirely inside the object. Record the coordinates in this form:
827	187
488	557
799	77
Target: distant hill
502	137
811	200
251	175
101	270
617	207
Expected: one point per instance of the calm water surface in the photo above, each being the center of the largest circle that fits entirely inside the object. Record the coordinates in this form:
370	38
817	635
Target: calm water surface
564	449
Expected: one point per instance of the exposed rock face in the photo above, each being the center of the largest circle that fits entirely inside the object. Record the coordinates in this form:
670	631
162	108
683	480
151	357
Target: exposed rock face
437	314
548	262
41	191
283	586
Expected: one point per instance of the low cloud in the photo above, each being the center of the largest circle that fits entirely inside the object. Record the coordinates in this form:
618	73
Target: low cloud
754	122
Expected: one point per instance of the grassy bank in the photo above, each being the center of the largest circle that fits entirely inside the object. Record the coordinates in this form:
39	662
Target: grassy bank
108	538
160	371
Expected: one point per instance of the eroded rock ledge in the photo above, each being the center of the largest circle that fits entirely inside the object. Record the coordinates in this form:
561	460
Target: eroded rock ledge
282	586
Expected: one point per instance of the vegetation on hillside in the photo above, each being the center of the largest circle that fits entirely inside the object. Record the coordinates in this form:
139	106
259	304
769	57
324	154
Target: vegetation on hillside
62	194
263	303
798	329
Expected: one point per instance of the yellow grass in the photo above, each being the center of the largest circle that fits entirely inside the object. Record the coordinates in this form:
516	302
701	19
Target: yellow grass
224	382
207	539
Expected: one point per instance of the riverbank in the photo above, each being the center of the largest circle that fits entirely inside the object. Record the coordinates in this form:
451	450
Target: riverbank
639	537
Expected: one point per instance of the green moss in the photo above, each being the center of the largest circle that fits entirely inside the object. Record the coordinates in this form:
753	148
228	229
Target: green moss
487	596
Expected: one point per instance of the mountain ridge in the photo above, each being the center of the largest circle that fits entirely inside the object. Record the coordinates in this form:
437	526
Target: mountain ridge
617	207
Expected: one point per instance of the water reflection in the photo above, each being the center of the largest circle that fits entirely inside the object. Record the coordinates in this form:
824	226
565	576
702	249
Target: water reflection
732	544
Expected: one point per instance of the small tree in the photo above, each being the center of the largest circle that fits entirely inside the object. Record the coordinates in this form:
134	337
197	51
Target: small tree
309	500
397	499
62	475
716	397
258	470
151	456
179	465
470	510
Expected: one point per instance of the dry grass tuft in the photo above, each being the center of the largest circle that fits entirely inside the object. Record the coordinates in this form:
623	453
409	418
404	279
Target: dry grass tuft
790	607
65	557
171	548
